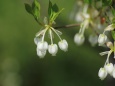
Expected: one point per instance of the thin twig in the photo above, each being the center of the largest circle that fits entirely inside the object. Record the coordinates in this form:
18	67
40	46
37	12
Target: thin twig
67	26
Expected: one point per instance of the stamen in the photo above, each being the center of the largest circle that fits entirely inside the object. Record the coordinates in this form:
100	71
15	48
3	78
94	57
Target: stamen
56	33
44	34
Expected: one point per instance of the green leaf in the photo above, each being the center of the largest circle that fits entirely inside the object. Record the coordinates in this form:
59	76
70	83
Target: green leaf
36	4
113	34
55	15
55	8
106	2
113	20
36	9
113	11
53	12
50	9
28	8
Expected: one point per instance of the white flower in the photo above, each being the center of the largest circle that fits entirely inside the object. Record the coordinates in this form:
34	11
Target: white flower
79	39
102	39
63	45
93	39
42	46
113	72
86	15
53	49
110	27
102	73
109	68
41	54
79	17
36	40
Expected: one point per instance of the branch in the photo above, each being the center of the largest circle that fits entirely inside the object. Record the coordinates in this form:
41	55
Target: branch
67	26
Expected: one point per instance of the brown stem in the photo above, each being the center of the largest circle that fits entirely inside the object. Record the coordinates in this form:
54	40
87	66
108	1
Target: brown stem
67	26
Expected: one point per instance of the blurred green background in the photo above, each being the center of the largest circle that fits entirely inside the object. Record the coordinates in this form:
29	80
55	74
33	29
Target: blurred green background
19	64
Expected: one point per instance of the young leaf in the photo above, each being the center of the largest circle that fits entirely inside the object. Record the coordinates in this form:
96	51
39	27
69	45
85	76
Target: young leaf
50	9
55	15
113	34
55	8
36	9
28	8
53	12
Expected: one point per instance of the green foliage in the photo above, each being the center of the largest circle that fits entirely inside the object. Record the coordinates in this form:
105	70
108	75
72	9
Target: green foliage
106	2
53	11
50	9
28	8
113	34
34	9
113	11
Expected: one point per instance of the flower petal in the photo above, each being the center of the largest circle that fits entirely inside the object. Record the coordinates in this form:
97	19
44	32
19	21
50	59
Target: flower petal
104	53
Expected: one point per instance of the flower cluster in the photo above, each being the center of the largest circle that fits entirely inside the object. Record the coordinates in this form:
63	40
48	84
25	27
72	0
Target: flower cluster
102	37
79	37
85	16
108	68
89	16
42	45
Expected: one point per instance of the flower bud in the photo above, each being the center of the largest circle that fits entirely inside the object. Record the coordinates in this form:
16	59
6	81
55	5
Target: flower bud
63	45
109	44
109	68
102	39
79	39
53	49
42	46
41	54
102	73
